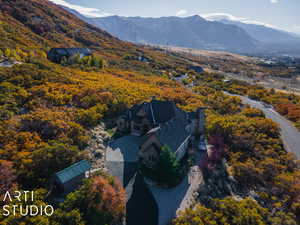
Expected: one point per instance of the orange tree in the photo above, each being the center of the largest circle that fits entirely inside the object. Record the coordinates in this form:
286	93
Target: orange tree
100	200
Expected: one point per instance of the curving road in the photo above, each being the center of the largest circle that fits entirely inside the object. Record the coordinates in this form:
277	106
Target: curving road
290	135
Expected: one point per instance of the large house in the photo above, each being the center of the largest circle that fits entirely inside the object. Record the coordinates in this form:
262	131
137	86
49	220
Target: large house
162	124
57	54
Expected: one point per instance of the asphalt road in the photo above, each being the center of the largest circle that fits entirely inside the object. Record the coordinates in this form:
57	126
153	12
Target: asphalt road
290	135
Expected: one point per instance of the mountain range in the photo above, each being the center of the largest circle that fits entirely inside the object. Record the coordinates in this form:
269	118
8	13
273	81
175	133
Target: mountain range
197	32
262	32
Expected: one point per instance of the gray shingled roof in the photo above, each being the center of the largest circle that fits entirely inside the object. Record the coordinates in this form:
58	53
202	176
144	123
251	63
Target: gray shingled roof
192	115
162	111
157	111
73	171
172	134
71	51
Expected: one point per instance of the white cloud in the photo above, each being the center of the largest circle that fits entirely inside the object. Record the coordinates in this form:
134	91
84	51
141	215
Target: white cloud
89	12
274	1
226	16
296	29
181	12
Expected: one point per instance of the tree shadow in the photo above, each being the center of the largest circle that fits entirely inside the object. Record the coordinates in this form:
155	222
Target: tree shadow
141	208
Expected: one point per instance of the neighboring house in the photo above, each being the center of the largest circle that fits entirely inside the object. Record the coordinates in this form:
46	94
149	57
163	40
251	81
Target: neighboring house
181	77
57	54
69	179
197	69
143	59
162	124
227	81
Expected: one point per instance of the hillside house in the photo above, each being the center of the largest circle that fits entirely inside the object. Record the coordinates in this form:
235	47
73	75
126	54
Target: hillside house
142	118
160	124
174	134
69	179
197	69
57	54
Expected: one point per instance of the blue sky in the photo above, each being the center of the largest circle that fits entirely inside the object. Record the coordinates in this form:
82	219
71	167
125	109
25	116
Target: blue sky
284	14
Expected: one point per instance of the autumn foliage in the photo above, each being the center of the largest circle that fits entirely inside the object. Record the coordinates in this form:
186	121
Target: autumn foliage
47	110
234	212
101	200
7	177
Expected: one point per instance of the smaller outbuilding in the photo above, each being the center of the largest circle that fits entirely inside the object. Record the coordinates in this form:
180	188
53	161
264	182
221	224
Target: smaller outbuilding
57	54
69	179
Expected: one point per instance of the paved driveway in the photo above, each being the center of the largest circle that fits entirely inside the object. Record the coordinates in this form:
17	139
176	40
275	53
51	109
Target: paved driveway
122	162
122	158
124	149
171	201
141	208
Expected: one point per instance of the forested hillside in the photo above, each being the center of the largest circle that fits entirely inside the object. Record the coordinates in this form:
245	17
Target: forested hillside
40	25
47	111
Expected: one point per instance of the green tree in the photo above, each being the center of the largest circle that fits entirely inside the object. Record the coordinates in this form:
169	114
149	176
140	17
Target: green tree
168	167
72	217
230	211
64	61
7	52
46	161
167	171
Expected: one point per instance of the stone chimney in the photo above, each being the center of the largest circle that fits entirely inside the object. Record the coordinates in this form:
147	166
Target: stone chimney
201	120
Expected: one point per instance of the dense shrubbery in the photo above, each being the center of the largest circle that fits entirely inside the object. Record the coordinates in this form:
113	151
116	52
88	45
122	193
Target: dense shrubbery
101	200
48	109
290	111
253	149
7	177
287	105
233	212
45	110
88	63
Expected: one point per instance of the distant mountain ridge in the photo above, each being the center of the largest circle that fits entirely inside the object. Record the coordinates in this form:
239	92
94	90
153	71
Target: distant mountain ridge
261	32
199	33
191	32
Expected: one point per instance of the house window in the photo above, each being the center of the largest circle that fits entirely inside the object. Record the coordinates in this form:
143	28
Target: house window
152	158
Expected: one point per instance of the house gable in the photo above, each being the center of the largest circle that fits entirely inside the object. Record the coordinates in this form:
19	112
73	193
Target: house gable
150	150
